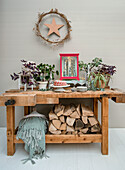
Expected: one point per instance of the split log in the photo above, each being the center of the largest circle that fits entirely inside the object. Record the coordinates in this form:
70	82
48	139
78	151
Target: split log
58	108
52	127
78	109
56	123
52	116
72	107
86	111
87	125
67	110
69	129
79	124
61	112
69	133
63	126
62	119
85	130
92	121
95	128
57	132
75	132
75	115
63	132
85	119
80	133
70	121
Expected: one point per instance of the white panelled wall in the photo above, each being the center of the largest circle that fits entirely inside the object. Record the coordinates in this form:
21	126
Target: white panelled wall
98	30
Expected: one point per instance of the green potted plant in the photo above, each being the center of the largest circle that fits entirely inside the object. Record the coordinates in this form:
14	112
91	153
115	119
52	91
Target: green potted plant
98	71
89	66
108	71
46	74
98	79
27	74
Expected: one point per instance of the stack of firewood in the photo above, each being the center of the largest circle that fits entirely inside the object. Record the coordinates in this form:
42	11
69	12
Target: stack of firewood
71	119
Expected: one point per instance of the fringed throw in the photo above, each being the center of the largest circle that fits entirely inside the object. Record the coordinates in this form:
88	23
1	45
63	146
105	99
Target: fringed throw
32	131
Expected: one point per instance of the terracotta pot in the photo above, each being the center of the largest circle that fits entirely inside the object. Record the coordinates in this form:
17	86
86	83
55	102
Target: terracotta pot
102	84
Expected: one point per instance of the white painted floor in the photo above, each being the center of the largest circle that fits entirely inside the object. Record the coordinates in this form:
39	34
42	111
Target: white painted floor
69	156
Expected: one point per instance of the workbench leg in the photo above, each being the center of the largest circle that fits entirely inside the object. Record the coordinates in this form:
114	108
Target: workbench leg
10	130
26	110
104	117
95	104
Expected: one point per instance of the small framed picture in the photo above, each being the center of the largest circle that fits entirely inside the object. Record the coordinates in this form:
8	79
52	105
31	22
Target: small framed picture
69	66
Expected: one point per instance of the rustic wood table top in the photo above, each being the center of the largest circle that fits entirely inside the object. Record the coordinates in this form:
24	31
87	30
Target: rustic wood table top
69	94
31	98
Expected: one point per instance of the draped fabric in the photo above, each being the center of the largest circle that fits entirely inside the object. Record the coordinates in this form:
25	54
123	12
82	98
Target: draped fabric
32	129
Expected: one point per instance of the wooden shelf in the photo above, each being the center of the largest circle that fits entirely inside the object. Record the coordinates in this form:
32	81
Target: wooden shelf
87	138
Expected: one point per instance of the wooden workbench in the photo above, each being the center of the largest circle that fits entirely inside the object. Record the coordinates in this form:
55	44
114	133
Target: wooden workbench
31	98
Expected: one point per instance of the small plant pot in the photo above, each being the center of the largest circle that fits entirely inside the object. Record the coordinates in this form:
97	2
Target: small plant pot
42	85
102	84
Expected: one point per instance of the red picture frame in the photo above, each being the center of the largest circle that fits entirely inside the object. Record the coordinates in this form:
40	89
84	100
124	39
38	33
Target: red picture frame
69	66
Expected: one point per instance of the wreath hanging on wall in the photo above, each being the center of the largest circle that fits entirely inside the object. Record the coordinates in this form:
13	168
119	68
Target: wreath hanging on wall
40	19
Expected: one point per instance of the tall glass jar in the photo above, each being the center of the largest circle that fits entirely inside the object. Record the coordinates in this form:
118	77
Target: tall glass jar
82	75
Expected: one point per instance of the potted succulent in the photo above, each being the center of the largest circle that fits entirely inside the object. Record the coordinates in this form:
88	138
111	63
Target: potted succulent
46	74
29	71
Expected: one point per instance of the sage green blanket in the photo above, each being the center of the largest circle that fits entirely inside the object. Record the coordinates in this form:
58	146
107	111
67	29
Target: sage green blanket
32	131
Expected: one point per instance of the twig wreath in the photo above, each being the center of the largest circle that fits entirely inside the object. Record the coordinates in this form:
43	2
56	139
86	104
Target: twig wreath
40	18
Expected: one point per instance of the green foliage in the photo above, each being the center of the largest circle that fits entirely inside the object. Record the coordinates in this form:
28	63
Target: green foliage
95	63
83	66
46	71
97	76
